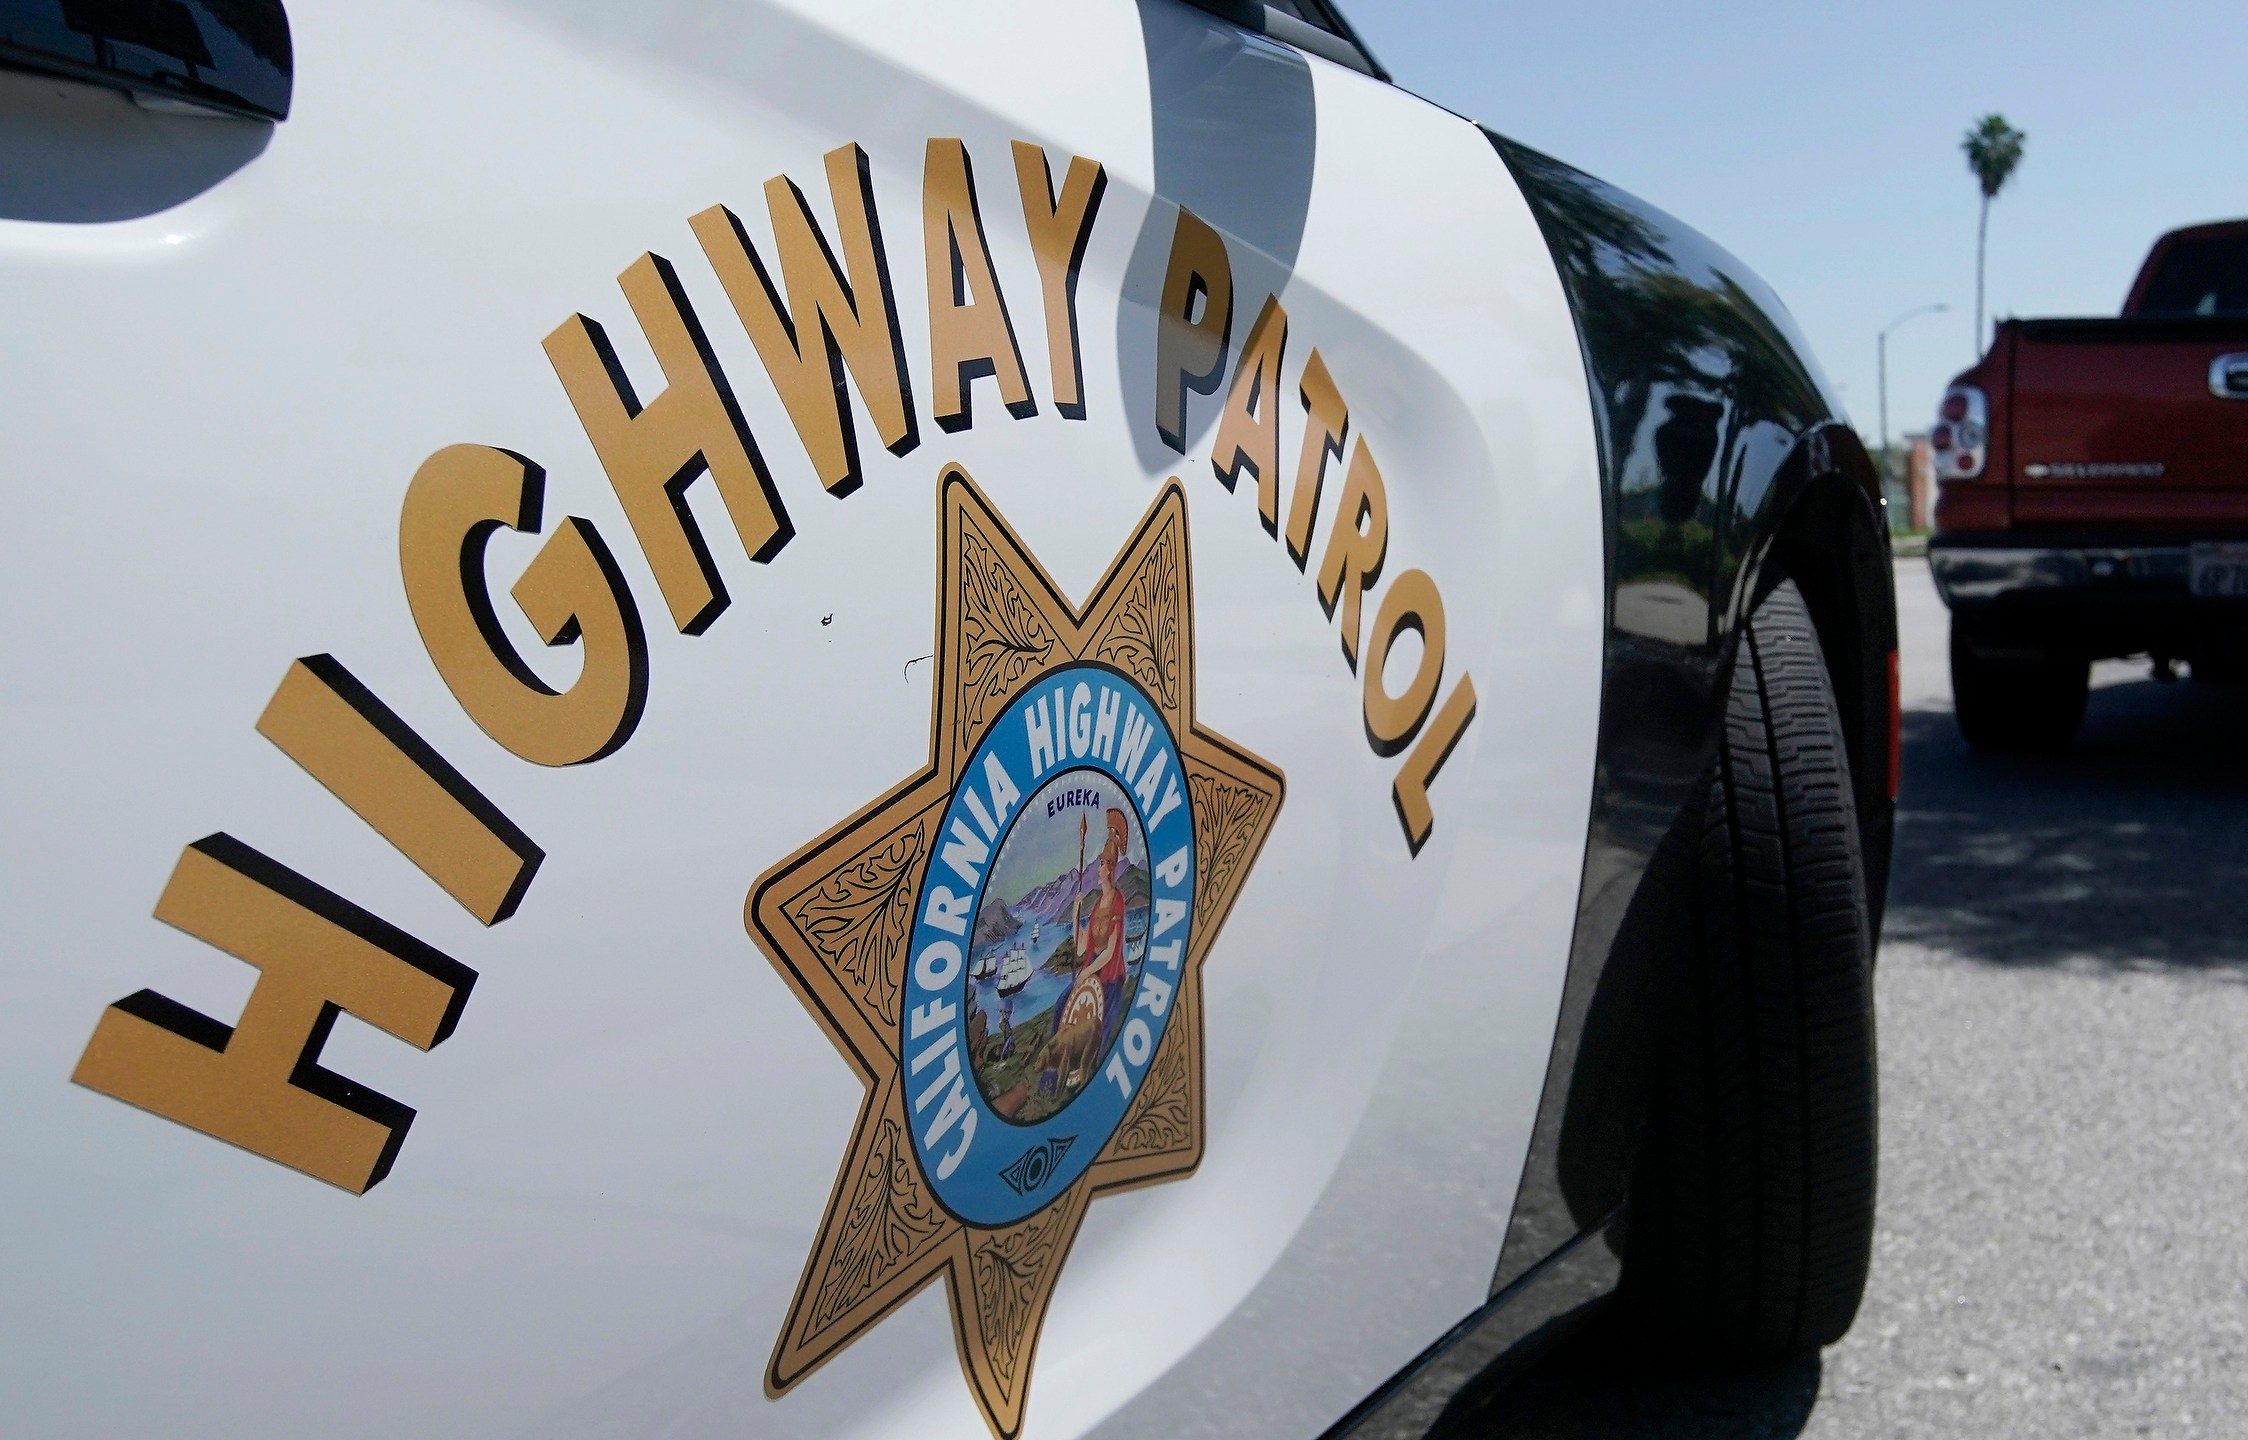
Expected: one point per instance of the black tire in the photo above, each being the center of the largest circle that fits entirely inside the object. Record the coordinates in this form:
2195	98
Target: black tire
2025	703
1752	1213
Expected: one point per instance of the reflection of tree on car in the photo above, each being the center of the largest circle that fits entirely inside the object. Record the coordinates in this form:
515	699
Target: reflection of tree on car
1722	450
1668	315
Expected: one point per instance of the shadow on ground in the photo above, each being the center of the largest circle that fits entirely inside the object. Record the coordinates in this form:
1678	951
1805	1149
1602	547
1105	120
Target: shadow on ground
1601	1385
2129	849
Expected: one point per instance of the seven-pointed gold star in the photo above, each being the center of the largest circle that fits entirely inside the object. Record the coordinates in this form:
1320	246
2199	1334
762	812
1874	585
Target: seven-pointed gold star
837	917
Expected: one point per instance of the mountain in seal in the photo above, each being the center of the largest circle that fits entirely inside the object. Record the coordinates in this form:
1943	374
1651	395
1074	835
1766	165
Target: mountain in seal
1051	901
995	925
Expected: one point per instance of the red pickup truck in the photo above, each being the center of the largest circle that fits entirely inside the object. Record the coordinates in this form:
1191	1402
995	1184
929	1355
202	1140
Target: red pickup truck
2094	496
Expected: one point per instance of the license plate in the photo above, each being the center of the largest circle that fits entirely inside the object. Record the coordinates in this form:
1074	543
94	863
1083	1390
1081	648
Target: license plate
2220	570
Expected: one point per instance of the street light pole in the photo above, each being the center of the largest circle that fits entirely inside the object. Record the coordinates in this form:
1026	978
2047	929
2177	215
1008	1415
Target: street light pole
1881	354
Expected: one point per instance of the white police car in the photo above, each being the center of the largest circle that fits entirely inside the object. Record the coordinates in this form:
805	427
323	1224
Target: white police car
1058	724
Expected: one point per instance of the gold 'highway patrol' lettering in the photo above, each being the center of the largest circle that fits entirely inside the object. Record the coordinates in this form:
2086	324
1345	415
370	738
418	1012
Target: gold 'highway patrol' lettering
258	1083
836	320
654	451
828	321
1191	338
1060	228
970	334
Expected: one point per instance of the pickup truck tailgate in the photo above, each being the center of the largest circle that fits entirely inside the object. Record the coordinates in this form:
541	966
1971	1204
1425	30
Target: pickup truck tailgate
2118	423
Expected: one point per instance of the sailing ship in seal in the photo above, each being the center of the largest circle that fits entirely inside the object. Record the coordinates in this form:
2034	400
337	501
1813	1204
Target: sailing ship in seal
1017	967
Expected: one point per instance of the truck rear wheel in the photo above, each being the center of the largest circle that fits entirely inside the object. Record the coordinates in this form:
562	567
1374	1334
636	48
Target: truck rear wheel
1752	1213
2007	703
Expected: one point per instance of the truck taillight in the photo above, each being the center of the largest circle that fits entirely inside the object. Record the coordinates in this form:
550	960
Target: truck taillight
1961	439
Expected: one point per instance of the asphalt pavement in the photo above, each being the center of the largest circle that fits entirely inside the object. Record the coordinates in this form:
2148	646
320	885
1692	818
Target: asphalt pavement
2063	1003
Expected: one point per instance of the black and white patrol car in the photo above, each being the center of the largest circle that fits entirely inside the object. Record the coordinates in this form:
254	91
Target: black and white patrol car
874	719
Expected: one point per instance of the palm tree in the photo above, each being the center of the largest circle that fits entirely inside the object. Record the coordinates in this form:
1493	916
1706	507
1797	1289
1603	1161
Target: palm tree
1993	149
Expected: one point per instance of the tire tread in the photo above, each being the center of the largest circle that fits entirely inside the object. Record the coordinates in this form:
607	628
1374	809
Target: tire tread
1752	1227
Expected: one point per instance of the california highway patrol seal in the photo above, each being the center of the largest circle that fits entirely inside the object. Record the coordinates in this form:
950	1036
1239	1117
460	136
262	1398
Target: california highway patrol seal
1008	946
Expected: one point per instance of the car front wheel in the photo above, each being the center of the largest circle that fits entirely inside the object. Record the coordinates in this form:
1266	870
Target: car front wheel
1752	1212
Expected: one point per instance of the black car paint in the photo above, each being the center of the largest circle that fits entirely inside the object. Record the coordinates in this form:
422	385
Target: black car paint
1725	466
229	56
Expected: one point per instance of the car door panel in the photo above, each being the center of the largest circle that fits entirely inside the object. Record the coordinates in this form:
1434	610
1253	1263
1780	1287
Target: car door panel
622	1154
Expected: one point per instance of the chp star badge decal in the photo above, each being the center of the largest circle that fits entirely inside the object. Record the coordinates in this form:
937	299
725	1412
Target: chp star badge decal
1007	947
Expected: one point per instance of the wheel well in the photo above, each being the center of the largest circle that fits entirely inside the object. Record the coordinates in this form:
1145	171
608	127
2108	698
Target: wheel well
1833	543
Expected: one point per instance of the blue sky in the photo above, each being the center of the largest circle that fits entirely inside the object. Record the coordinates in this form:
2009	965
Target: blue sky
1820	144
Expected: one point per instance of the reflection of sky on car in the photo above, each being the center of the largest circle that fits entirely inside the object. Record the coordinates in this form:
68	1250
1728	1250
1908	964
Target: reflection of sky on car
1039	850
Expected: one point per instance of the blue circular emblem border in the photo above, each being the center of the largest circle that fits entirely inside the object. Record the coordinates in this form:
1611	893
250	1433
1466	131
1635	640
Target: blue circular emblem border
987	1170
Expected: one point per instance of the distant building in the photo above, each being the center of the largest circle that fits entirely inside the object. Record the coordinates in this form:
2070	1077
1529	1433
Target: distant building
1908	482
1920	482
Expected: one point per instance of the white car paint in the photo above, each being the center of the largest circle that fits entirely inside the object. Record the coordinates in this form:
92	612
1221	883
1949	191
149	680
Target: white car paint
621	1156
